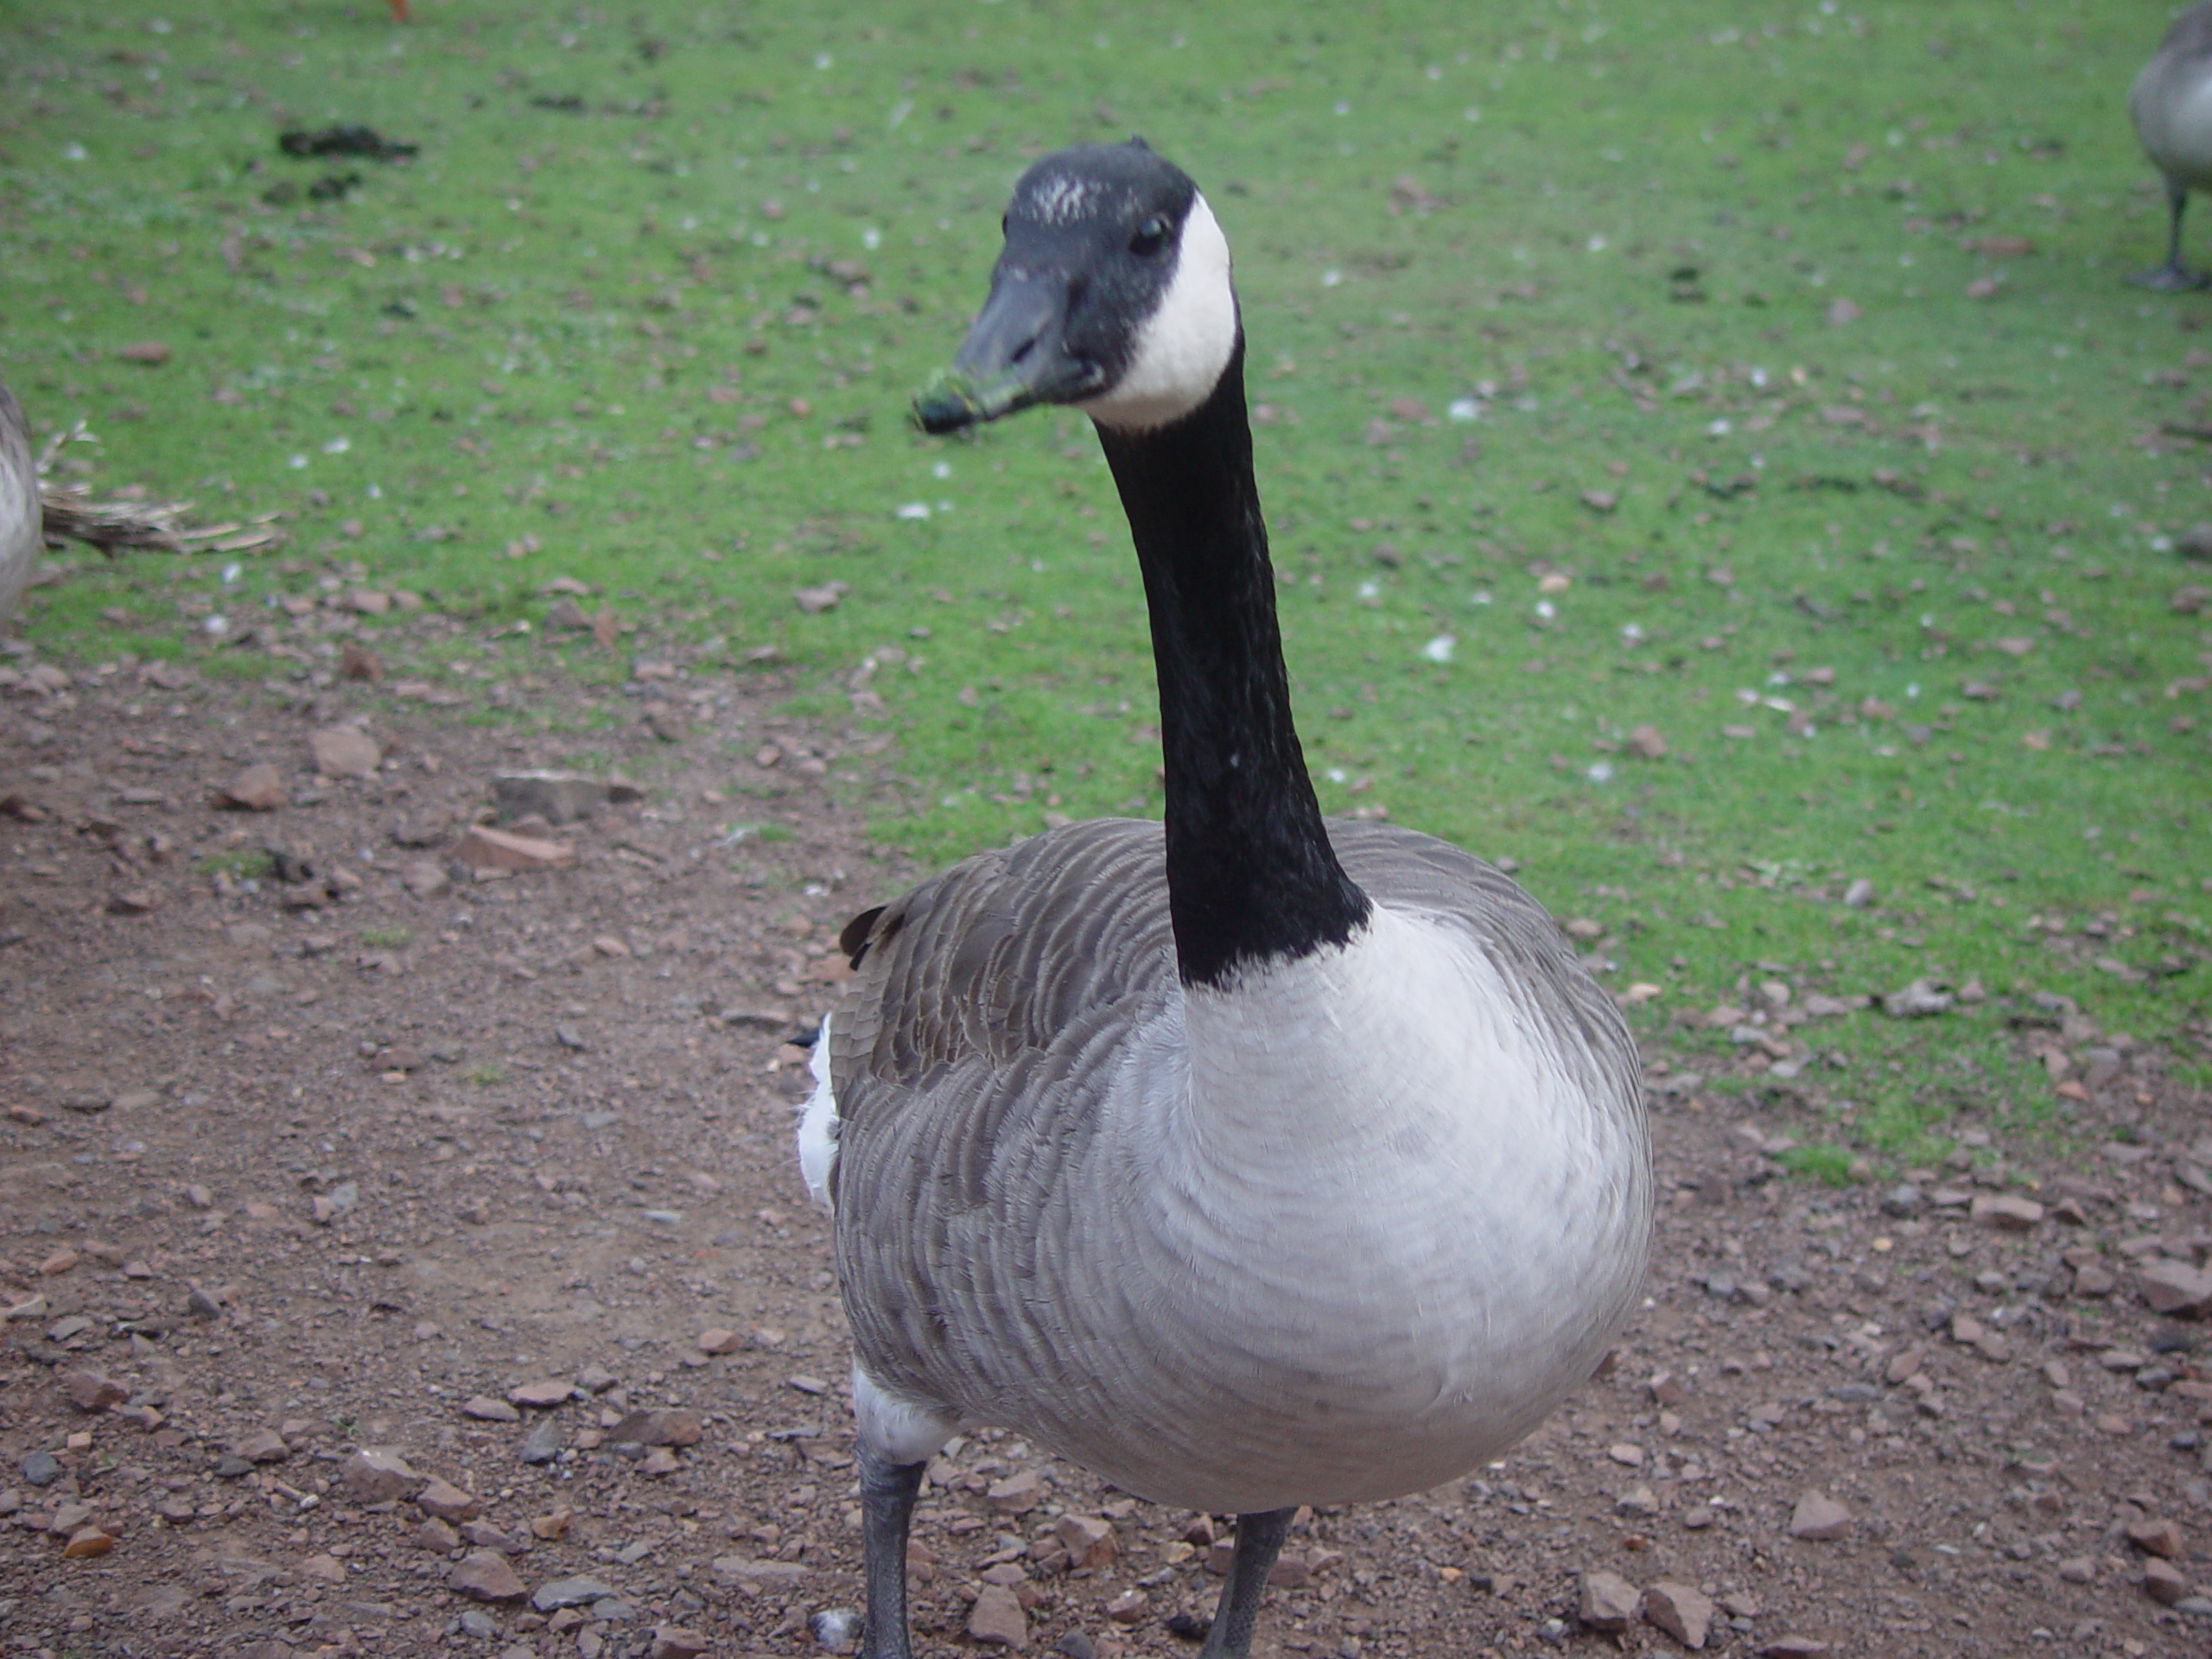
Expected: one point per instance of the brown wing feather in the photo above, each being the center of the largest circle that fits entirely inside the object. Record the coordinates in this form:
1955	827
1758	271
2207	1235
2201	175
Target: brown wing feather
1001	954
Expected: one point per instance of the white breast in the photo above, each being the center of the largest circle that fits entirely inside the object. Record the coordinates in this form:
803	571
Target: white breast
2173	117
1377	1233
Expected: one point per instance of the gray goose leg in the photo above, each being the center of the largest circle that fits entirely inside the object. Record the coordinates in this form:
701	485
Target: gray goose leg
1259	1539
2173	275
887	1493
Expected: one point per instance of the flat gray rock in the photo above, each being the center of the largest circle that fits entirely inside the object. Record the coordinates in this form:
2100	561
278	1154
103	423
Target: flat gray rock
578	1592
543	1443
556	797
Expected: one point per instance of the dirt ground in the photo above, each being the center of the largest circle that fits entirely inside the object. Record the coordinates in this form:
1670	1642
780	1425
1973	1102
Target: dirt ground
336	1153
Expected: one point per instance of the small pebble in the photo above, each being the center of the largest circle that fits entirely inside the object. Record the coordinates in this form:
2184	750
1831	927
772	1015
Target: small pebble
1606	1602
543	1443
485	1575
1818	1518
1682	1612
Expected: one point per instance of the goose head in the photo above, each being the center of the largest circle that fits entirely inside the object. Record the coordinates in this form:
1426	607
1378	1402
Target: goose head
1111	295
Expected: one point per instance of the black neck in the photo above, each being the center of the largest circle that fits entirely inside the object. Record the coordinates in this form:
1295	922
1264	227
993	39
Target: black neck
1250	873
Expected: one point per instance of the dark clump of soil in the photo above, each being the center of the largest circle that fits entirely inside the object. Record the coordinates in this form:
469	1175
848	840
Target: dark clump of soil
350	139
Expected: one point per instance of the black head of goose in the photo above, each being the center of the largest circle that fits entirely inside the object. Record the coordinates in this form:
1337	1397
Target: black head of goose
1250	1160
2170	104
21	518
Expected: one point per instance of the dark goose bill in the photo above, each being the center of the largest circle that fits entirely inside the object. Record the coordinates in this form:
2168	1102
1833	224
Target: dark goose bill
1015	356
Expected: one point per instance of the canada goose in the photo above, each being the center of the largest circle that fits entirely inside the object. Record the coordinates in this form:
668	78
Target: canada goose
21	520
1253	1163
2170	105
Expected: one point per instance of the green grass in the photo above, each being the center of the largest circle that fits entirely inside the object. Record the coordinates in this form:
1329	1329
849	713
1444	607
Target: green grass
240	863
646	311
1828	1164
387	938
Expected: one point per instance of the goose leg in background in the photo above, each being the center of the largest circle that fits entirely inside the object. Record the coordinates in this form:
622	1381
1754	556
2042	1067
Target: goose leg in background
1259	1541
887	1493
2173	275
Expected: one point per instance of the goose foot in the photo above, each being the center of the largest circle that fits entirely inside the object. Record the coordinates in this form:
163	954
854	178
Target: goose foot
1259	1541
2173	276
2172	279
887	1493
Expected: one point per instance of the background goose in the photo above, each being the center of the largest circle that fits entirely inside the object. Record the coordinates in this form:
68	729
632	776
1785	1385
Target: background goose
2170	104
1250	1161
21	518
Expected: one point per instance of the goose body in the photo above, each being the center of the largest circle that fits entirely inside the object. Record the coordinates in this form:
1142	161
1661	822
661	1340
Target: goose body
2170	105
1336	1232
21	520
1248	1159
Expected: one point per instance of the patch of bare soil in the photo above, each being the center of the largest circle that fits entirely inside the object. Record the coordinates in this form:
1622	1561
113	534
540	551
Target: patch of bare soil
398	1259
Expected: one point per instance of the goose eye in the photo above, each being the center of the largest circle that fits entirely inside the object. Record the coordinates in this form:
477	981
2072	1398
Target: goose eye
1151	236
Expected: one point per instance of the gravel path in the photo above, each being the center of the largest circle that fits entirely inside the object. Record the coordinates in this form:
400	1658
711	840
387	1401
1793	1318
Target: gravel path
401	1252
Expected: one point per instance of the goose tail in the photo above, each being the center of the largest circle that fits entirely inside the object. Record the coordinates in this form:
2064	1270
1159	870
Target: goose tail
818	1126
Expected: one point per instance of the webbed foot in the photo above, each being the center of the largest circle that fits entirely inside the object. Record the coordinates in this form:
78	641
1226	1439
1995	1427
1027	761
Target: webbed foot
2172	279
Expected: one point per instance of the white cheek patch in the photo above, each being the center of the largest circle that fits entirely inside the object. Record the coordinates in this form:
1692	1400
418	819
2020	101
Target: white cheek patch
1185	343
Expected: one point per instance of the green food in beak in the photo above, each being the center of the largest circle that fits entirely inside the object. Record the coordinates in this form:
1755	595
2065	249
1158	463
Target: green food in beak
954	399
1016	355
